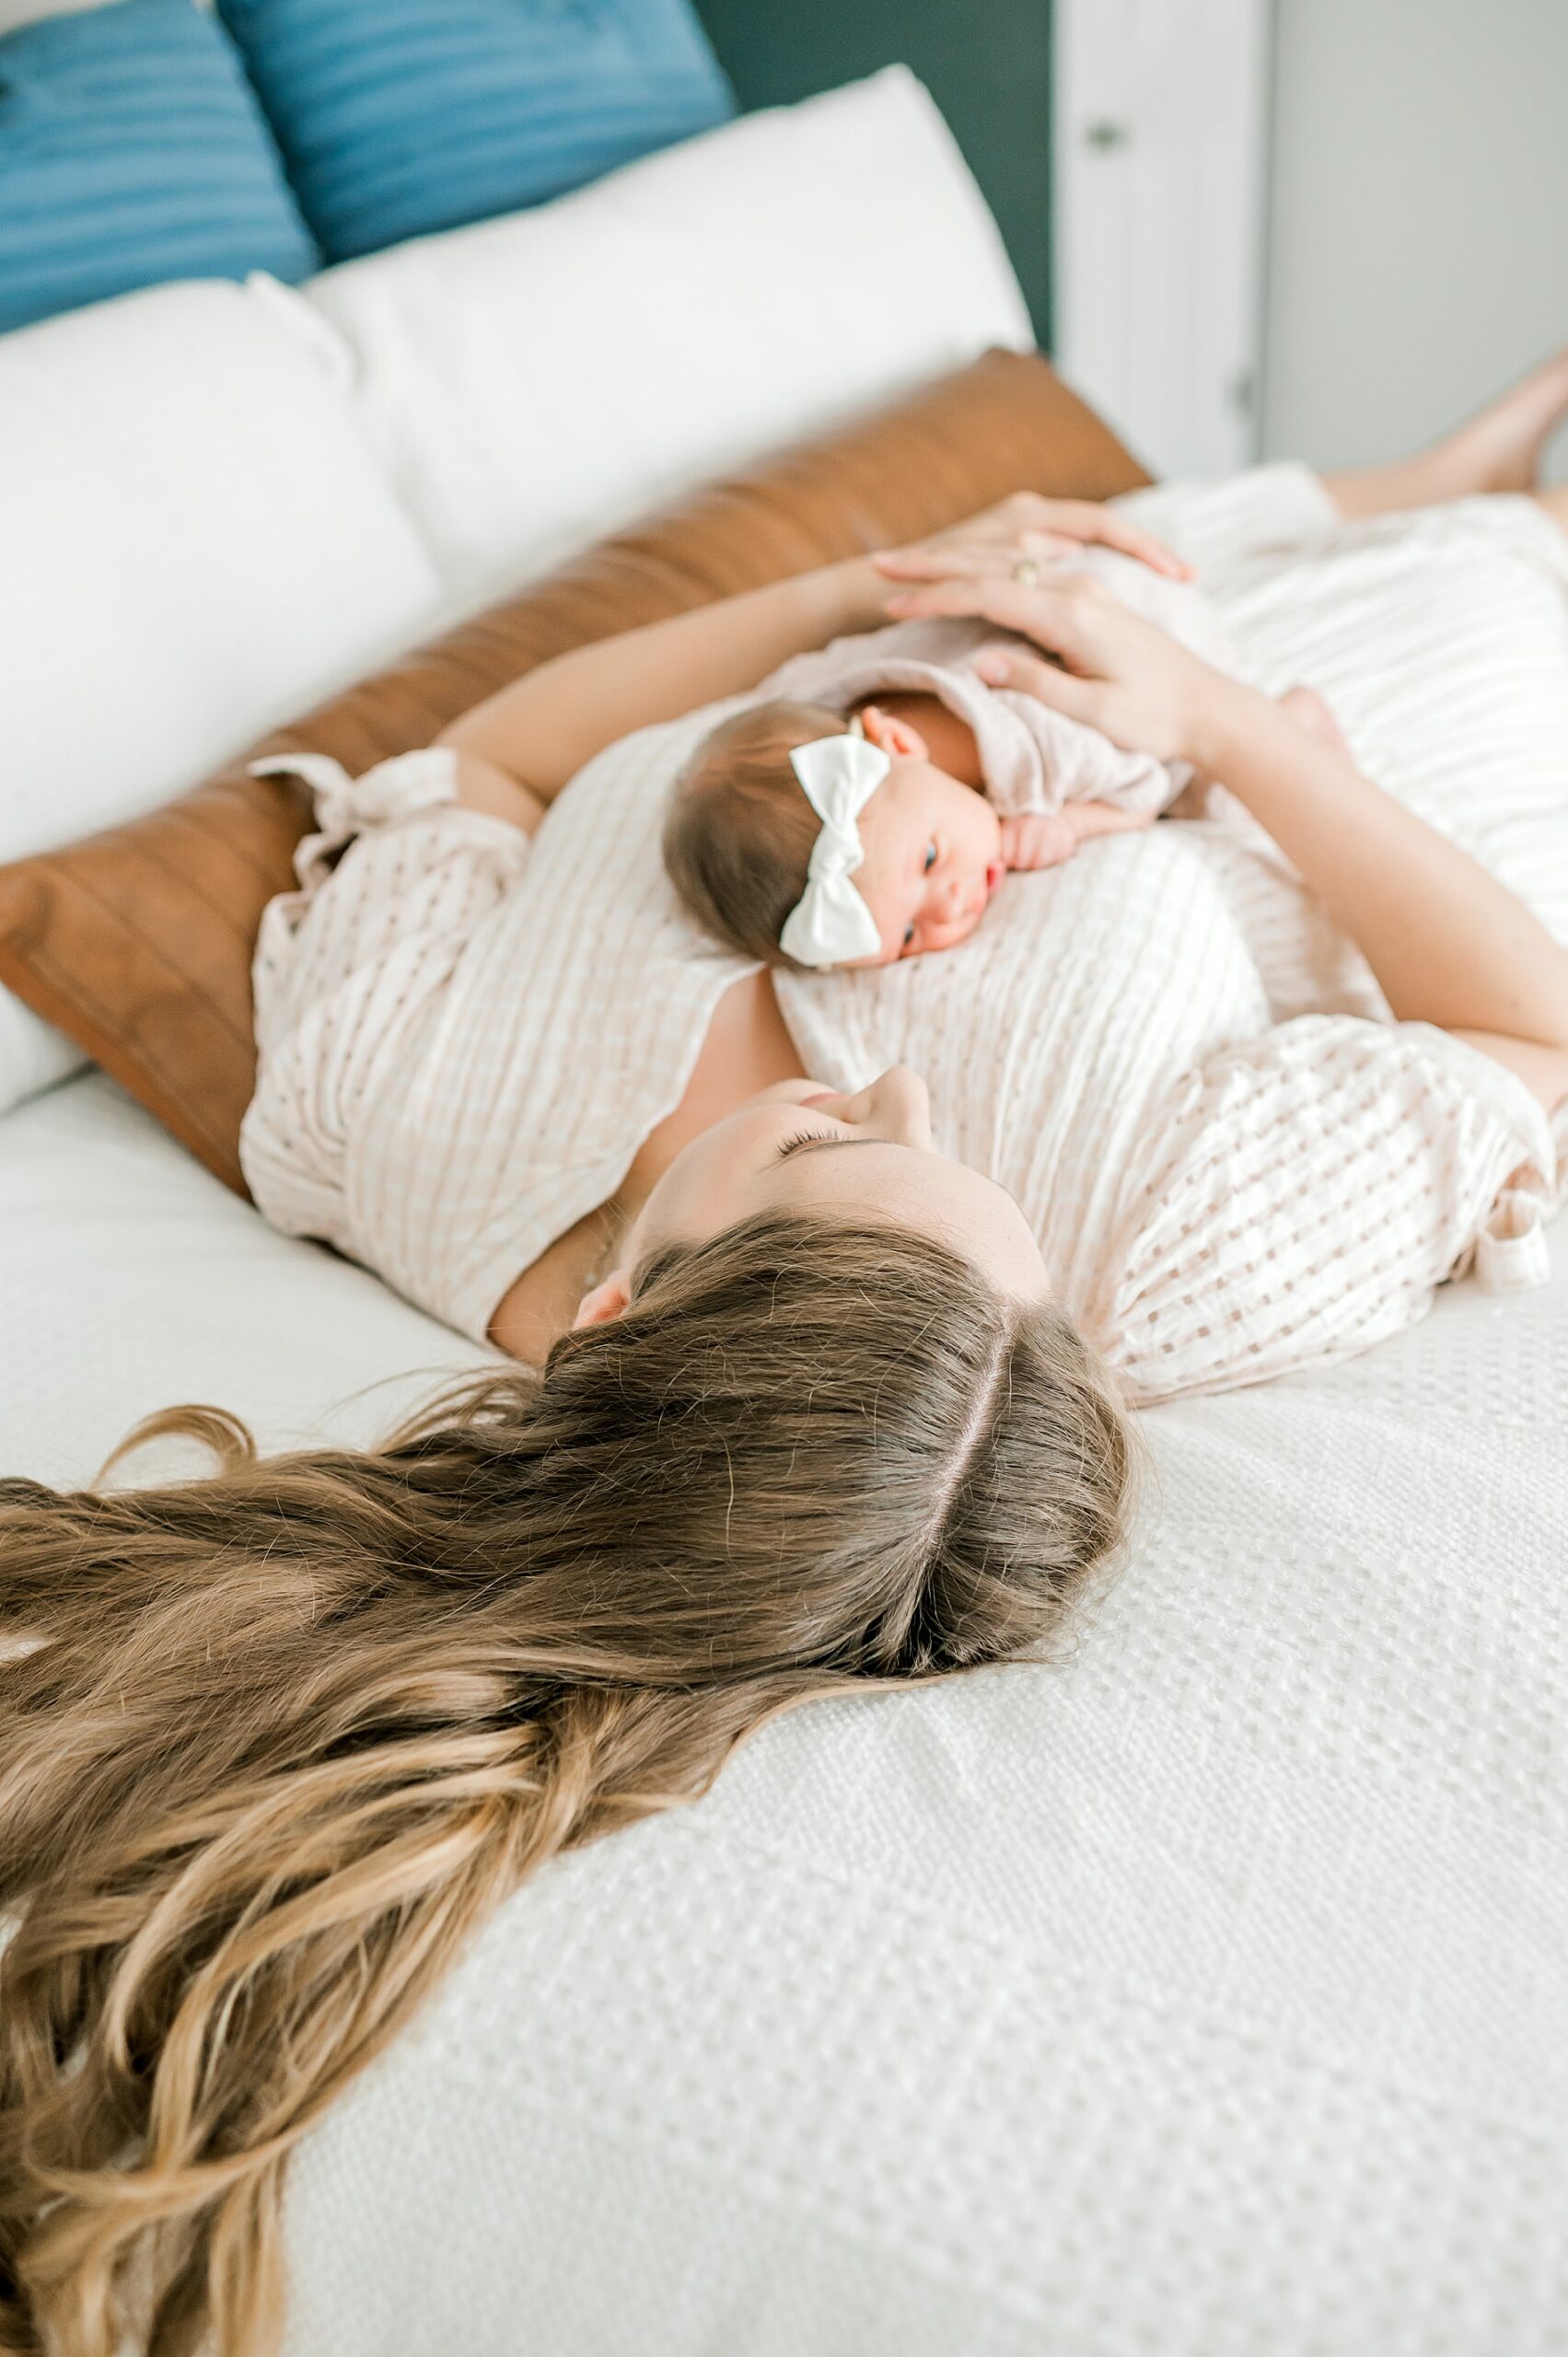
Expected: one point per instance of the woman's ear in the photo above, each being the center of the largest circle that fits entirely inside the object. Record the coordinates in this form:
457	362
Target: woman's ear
893	737
606	1301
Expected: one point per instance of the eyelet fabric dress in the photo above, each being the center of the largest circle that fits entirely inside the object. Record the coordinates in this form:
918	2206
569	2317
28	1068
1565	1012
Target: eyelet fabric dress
1236	1163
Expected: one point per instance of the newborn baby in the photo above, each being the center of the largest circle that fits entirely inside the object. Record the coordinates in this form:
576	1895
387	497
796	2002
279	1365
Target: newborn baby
868	807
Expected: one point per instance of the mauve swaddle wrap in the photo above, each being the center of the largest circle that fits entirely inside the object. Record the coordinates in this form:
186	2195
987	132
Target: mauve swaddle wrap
1033	760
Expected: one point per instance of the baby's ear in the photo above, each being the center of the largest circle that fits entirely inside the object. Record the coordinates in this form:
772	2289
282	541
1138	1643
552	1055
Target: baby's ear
895	738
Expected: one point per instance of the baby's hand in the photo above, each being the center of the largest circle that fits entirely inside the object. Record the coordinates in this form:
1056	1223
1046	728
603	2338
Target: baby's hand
1045	839
1039	840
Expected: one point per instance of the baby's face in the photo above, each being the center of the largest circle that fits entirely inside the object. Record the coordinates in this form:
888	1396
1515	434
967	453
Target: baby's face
933	860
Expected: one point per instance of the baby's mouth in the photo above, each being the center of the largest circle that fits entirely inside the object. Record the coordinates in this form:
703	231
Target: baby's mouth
994	875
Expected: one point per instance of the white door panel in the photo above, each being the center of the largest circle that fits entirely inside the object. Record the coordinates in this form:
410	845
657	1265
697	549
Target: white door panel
1159	139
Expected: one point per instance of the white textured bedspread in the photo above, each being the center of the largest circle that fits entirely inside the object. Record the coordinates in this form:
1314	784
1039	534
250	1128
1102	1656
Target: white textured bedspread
1205	1996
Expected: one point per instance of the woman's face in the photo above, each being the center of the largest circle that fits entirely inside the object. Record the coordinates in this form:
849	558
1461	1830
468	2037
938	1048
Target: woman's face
798	1147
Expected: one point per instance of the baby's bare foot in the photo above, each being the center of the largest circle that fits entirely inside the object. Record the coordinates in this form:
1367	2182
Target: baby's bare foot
1308	711
1501	449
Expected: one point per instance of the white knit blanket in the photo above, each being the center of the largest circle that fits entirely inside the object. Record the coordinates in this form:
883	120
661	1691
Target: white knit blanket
1206	1996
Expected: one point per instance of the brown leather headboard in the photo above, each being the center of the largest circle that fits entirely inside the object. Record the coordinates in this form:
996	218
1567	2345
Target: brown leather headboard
138	943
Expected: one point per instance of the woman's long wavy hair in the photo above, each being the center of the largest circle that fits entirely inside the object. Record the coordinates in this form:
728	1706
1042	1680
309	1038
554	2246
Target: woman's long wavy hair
286	1735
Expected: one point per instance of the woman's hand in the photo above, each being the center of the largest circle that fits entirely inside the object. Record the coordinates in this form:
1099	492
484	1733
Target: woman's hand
1110	669
1028	524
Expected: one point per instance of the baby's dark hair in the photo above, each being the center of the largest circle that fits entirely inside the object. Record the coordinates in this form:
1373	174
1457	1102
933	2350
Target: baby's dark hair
740	832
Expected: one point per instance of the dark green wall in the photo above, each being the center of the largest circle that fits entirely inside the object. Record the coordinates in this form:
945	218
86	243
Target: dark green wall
986	63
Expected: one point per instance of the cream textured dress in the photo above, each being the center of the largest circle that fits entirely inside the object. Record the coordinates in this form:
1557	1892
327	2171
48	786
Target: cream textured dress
1236	1163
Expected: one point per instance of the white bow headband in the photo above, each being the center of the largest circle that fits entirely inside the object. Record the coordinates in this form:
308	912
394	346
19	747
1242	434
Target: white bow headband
831	922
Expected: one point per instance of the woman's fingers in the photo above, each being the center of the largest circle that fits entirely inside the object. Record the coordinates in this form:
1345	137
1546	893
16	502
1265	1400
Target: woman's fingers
1123	675
975	560
1031	675
947	560
1112	530
1031	524
1054	612
1087	521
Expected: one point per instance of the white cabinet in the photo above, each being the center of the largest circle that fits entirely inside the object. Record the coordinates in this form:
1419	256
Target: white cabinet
1160	170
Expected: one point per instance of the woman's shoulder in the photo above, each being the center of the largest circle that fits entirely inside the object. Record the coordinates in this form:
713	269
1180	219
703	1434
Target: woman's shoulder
597	850
462	1052
630	779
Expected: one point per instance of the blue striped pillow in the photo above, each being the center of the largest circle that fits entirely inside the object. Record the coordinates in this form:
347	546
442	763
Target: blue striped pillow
131	150
398	117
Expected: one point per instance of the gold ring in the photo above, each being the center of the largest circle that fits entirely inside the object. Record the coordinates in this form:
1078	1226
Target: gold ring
1027	571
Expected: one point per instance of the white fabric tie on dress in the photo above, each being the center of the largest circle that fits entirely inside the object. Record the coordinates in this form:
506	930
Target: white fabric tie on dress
1511	1253
344	805
831	922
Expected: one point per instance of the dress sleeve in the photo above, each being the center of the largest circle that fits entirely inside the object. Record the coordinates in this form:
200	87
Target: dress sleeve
1300	1197
391	886
394	858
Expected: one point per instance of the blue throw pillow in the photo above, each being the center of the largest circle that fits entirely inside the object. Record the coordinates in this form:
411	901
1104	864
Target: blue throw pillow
131	150
398	117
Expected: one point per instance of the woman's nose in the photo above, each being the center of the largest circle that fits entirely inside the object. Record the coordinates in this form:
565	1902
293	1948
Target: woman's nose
898	1107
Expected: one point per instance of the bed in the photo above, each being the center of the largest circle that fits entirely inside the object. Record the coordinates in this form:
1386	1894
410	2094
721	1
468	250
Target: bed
1201	1993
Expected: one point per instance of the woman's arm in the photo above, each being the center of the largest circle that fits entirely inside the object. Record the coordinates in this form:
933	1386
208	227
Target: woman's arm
1448	944
540	730
538	733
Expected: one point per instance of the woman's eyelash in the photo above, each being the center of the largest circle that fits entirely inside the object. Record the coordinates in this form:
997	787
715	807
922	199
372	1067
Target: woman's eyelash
802	1137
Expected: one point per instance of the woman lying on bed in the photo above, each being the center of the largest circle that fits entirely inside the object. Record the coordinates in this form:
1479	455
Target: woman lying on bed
287	1736
1244	1111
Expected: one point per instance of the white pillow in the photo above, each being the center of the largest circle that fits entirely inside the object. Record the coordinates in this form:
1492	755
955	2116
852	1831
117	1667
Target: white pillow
532	382
196	542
